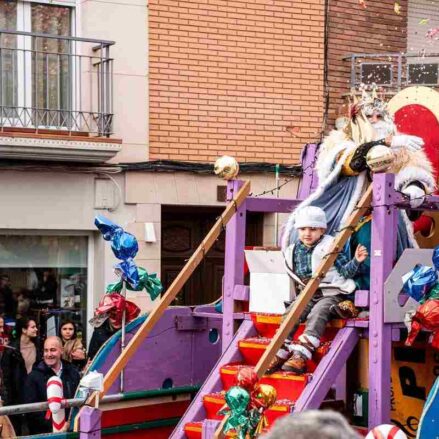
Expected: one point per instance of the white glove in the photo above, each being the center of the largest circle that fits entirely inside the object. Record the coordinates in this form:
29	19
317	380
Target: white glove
412	143
416	195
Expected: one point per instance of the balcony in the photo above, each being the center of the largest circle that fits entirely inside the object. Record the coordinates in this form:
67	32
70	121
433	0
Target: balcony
56	98
394	71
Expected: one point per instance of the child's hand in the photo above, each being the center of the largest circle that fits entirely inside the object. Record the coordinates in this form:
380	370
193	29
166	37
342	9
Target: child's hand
361	253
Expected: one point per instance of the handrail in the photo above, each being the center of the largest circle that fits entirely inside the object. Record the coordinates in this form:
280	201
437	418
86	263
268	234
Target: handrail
308	292
390	54
172	292
107	399
104	43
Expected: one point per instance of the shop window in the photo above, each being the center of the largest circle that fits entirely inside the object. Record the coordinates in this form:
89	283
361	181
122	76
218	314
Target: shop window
44	277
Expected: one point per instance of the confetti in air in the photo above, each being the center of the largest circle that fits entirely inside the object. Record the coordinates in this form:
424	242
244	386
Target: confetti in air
397	8
424	21
294	131
432	34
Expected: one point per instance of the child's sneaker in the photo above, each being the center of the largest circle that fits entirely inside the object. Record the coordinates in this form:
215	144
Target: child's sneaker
276	363
296	363
302	351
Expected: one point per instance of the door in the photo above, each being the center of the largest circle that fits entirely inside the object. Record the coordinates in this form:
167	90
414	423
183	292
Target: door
183	228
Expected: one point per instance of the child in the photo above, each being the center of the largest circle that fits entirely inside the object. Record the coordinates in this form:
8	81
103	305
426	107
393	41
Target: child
302	258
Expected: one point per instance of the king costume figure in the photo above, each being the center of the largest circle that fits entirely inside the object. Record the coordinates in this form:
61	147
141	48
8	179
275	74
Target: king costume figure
344	166
367	142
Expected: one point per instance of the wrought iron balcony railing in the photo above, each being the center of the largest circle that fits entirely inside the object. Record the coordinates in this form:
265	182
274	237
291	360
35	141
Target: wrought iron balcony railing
394	71
56	83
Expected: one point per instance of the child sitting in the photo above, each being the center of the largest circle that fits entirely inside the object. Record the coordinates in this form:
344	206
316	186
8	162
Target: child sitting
302	258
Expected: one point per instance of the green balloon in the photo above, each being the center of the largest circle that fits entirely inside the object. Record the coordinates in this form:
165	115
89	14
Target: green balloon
149	282
237	400
432	294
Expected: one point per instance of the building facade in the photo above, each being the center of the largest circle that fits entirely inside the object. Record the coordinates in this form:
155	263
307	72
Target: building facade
63	69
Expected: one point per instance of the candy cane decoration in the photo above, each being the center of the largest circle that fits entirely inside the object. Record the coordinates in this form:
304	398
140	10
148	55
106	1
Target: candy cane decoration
54	399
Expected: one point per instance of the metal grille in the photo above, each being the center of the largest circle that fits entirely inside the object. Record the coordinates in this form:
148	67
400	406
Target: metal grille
394	71
55	83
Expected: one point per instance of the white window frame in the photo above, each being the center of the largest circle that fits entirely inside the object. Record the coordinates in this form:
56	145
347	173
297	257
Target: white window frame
90	262
24	82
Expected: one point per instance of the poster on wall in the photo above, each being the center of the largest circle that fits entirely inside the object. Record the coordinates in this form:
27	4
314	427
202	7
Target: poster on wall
67	299
414	371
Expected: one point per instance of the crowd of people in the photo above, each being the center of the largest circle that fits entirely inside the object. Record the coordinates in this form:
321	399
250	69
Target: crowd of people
27	362
28	358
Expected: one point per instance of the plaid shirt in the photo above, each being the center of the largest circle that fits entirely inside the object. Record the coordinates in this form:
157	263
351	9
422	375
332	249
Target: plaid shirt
303	268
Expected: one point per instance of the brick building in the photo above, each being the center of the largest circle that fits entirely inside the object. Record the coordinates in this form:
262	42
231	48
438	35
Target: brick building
232	77
252	79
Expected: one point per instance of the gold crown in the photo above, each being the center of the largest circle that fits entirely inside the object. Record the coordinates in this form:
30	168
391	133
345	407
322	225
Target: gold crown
370	102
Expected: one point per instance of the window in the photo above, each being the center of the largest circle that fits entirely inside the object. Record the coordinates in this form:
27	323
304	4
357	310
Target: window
8	55
36	85
46	275
376	73
423	73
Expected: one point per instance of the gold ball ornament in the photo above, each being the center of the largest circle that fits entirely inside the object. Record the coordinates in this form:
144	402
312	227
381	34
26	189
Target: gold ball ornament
379	158
226	167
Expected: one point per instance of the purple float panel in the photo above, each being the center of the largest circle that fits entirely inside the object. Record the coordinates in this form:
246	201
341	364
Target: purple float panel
196	411
90	423
362	298
209	428
309	177
383	250
233	262
178	352
328	370
271	204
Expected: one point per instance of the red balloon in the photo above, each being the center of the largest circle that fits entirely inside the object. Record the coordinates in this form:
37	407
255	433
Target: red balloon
113	304
246	378
427	316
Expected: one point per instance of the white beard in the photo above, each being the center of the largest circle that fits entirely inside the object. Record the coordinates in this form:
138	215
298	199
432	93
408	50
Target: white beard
383	129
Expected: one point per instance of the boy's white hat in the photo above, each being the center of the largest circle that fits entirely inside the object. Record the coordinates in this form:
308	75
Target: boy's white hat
310	216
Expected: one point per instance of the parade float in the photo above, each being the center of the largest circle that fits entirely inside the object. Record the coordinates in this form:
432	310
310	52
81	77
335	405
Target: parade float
199	372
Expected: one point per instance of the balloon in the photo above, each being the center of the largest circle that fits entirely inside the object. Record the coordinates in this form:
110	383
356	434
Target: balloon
246	378
417	282
112	305
427	316
128	272
264	396
237	400
123	244
107	227
432	294
435	258
150	282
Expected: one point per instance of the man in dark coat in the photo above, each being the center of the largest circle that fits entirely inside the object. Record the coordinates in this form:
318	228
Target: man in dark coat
36	390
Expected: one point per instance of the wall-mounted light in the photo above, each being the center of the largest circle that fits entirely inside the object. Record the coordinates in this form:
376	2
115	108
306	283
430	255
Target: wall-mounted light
150	233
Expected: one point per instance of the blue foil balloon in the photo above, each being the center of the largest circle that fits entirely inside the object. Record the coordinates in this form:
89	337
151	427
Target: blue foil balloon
417	282
107	227
435	258
123	244
129	272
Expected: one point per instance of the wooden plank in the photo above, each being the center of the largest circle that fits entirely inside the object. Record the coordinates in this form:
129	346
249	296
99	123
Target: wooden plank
308	292
173	290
